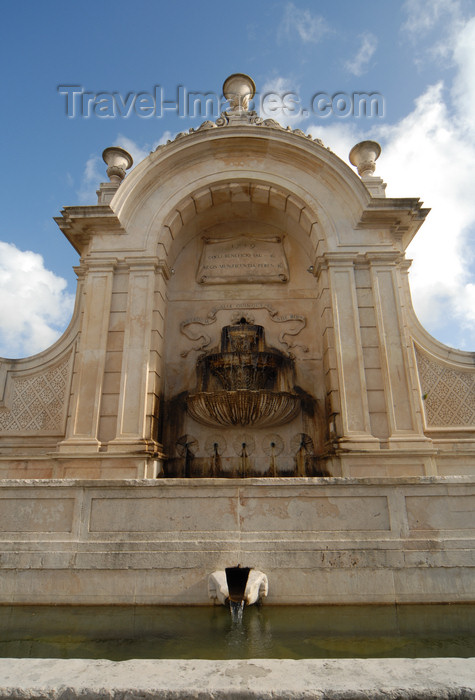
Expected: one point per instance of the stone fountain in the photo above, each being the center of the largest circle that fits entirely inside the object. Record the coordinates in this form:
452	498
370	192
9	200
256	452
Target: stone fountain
245	383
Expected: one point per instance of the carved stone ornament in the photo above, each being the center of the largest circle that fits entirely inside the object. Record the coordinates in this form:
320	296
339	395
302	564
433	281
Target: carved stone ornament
118	161
37	402
272	444
257	587
449	393
364	156
186	444
244	442
203	339
239	89
215	444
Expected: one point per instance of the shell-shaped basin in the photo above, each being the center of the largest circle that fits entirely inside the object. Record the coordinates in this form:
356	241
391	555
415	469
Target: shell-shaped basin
243	407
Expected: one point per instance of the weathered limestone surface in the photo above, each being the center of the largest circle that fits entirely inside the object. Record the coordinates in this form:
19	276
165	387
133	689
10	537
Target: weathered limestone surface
263	679
240	219
338	540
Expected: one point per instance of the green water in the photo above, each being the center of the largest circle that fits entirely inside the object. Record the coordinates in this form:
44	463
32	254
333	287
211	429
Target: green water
318	632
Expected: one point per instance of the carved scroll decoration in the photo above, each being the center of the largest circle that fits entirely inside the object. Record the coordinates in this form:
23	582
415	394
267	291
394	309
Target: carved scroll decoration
242	308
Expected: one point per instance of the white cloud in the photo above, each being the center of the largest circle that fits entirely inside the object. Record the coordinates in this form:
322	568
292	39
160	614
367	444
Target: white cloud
430	154
424	15
359	64
436	20
279	99
93	175
137	152
463	93
34	303
310	28
340	137
427	155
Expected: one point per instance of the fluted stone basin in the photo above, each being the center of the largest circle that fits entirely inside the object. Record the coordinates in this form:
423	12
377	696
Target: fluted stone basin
244	370
245	383
243	407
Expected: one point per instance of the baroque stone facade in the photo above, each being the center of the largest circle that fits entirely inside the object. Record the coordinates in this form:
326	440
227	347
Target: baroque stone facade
243	311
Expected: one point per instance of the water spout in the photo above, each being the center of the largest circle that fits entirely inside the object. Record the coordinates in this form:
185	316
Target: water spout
256	587
236	578
215	461
273	466
244	462
300	461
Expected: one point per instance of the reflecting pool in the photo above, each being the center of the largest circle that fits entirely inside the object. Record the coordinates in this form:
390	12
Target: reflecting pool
319	632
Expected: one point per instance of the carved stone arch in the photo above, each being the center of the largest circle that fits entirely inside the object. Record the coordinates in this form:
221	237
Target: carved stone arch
290	210
292	165
221	199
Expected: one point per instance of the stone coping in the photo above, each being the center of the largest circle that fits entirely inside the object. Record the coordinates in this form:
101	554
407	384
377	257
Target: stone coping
237	679
248	481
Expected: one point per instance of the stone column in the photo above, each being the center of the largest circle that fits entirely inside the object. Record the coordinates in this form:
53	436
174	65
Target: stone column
404	418
355	427
83	423
132	431
155	389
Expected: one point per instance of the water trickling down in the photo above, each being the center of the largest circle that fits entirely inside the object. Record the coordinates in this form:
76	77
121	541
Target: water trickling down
237	610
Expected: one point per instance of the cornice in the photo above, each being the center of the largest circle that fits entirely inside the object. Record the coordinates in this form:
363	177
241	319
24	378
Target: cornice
81	222
129	264
403	216
345	259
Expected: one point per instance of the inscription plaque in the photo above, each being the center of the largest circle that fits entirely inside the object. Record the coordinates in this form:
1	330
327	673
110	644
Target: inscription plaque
241	260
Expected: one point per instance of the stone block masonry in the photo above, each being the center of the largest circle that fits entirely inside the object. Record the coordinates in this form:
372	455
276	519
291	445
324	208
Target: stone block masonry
319	540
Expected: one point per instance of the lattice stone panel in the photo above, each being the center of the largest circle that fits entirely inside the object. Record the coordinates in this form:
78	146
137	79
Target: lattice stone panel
37	402
450	393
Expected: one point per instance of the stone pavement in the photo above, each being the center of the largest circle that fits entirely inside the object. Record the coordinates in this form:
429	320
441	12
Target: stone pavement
265	679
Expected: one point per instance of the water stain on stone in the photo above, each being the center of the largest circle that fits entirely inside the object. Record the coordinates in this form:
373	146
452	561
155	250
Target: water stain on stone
247	671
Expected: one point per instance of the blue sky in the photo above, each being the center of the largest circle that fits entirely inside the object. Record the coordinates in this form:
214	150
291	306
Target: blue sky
419	55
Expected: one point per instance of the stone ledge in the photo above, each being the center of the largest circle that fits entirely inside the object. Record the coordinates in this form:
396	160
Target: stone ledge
294	482
237	679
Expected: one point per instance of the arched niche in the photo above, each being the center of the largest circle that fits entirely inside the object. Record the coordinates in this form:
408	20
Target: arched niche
242	251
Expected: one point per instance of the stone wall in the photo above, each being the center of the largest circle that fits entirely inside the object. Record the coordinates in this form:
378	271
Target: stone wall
337	540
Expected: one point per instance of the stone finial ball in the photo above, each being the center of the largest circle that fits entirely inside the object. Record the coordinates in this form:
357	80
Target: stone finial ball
238	89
